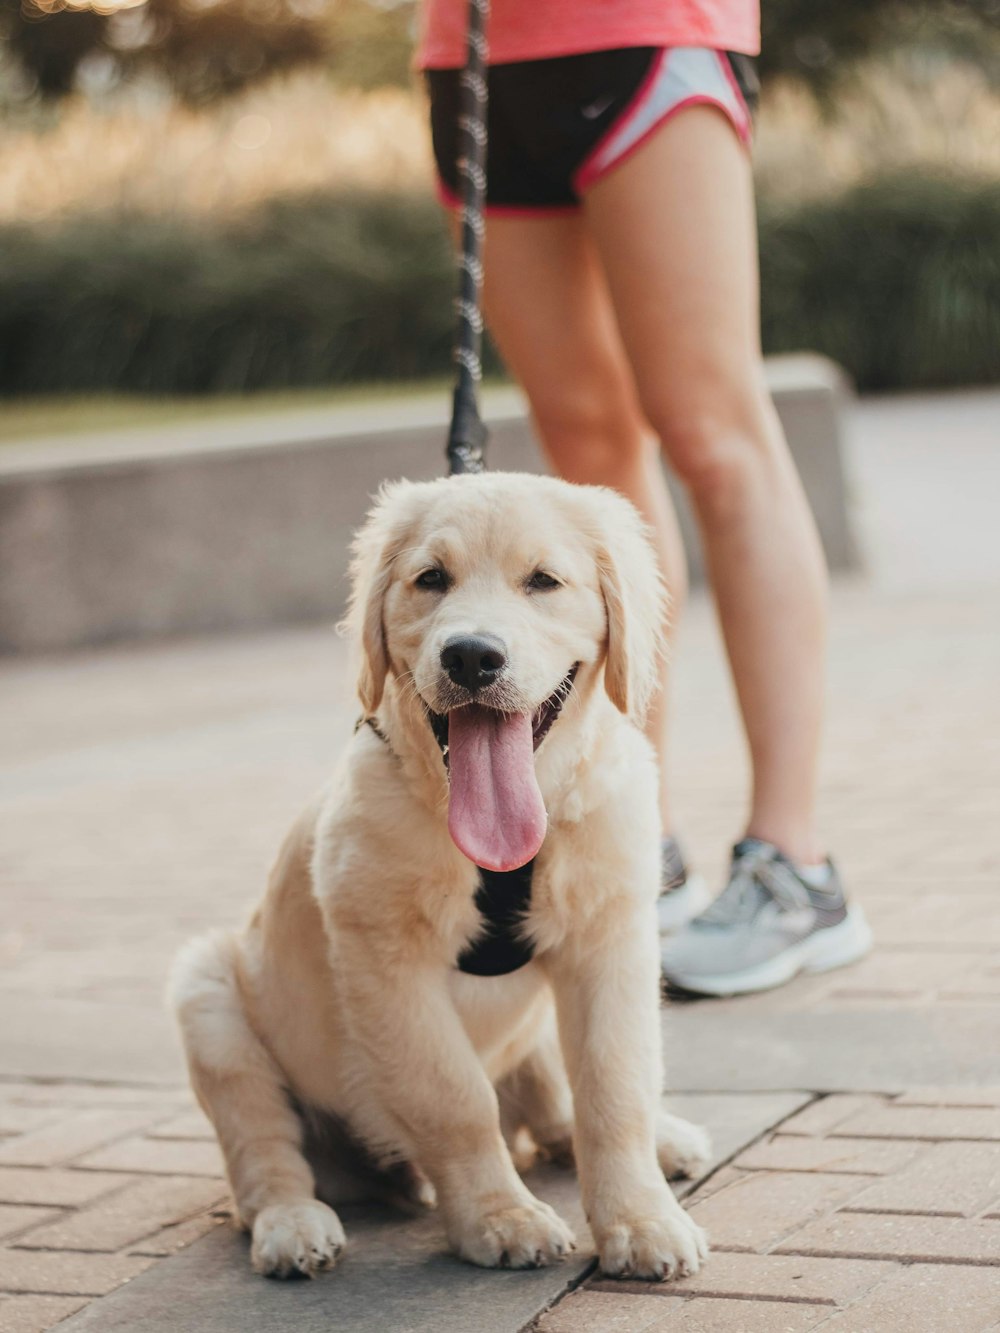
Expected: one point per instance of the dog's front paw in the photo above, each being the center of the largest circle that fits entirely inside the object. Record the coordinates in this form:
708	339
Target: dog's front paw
520	1234
653	1248
296	1239
683	1149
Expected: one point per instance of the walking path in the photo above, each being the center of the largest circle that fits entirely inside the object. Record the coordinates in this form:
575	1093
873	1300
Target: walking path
857	1115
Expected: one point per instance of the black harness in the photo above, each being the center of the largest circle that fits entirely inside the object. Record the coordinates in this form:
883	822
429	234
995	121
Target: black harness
503	899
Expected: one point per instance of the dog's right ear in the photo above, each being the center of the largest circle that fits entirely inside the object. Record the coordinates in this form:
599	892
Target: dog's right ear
373	551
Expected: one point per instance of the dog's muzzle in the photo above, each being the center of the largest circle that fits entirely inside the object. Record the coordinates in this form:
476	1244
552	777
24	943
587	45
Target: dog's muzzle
541	719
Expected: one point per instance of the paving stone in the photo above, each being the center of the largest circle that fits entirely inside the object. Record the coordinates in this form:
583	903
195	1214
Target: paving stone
826	1113
174	1238
773	1042
18	1217
62	1094
724	1316
922	1122
188	1125
949	1179
949	1097
129	1215
736	1118
15	1119
597	1312
780	1277
718	1180
35	1314
68	1138
67	1273
158	1156
894	1236
891	974
976	988
865	1157
933	921
54	1185
927	1299
756	1212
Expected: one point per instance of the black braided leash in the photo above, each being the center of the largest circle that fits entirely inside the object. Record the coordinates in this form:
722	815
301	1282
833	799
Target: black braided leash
502	898
467	435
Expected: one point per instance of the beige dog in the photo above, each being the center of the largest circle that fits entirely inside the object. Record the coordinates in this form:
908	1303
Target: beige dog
509	628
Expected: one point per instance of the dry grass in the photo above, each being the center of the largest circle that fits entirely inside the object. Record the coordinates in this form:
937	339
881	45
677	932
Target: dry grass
299	133
890	120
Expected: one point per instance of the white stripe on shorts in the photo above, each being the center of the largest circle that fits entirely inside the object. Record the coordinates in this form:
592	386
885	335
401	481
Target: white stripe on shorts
681	76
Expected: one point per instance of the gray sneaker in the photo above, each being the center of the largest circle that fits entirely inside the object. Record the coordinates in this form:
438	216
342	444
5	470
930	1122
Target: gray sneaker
767	925
682	893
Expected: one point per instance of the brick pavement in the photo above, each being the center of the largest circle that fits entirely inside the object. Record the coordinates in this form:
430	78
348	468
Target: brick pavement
76	1220
890	1219
876	1207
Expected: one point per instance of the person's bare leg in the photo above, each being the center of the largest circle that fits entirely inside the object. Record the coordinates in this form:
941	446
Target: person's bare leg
674	225
548	309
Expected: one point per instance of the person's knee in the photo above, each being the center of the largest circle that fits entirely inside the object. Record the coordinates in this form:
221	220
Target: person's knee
719	445
591	436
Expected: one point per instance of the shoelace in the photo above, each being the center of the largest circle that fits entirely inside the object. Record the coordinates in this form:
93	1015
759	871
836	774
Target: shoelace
756	877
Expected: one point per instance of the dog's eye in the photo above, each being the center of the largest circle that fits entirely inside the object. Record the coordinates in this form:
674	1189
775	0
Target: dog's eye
541	582
432	578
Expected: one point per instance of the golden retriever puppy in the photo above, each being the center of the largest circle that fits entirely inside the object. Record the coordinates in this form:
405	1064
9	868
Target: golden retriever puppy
458	943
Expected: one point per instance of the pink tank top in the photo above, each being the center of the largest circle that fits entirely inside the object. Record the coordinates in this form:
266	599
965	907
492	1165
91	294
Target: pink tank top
540	29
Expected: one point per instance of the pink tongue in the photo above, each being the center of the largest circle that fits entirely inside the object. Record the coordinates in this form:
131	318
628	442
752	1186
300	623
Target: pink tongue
495	810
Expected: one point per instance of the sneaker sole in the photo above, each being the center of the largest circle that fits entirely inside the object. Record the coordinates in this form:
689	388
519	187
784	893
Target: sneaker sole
676	907
821	951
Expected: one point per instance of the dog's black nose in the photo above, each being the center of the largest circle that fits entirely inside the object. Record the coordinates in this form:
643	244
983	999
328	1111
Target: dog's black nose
474	661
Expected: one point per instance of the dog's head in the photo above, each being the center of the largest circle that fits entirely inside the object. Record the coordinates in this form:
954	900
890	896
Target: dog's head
483	597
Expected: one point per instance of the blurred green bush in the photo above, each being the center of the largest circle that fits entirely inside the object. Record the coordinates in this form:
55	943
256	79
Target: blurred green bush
899	281
305	292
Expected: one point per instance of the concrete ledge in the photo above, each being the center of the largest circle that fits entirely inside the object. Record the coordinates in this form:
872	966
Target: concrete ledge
246	523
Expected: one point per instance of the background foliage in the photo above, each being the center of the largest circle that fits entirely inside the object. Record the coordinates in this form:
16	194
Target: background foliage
189	206
208	48
204	49
898	281
820	44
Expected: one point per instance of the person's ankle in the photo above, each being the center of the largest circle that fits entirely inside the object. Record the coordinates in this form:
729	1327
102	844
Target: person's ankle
802	849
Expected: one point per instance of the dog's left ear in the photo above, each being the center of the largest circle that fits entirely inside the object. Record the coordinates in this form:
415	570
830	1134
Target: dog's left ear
635	602
373	551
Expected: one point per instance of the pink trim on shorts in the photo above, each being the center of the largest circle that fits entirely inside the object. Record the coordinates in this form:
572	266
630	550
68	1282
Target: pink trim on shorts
585	173
589	172
450	199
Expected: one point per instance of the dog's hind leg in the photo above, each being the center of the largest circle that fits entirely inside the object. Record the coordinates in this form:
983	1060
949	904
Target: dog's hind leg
536	1095
683	1149
241	1090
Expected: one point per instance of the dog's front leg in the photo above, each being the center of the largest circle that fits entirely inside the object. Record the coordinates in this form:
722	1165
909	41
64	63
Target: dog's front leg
607	1000
427	1076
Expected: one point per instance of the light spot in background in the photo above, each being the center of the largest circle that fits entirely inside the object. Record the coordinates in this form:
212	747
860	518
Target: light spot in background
12	944
98	6
96	74
252	131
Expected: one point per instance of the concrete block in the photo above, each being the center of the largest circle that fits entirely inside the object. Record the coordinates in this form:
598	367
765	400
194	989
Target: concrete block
246	524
